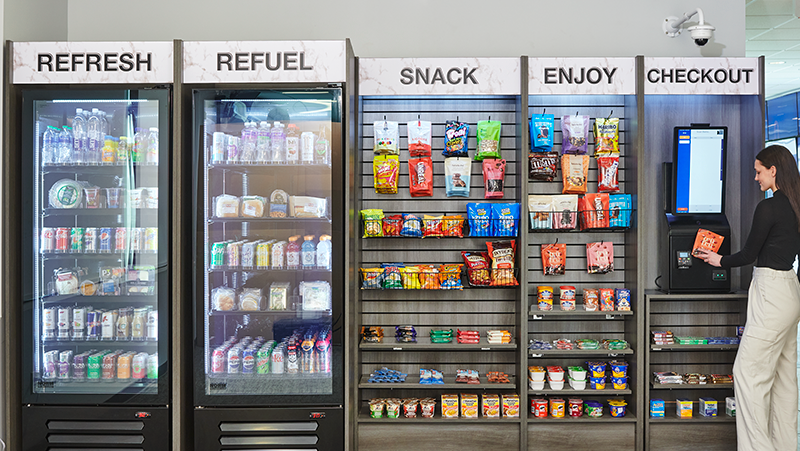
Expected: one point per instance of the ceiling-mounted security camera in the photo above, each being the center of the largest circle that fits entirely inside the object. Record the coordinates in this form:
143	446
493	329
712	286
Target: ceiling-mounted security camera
700	33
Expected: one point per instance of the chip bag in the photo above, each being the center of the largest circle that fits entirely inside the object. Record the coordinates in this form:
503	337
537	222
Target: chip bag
600	257
575	135
457	175
429	277
619	210
565	211
606	137
502	254
453	226
386	169
542	166
494	172
594	211
540	209
373	222
455	139
488	135
412	226
419	138
707	240
420	176
392	278
480	219
478	268
607	174
372	278
554	259
392	225
450	277
410	277
505	218
541	131
432	226
574	170
387	137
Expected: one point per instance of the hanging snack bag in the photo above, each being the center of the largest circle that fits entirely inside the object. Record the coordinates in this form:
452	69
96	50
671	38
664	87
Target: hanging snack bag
450	277
412	226
494	172
373	222
420	176
707	240
541	129
502	254
453	226
478	268
432	226
387	137
575	135
429	277
565	211
457	175
600	257
392	225
419	138
540	208
619	210
607	174
574	170
372	278
386	169
392	279
455	139
554	259
594	211
488	135
542	166
606	137
480	219
505	218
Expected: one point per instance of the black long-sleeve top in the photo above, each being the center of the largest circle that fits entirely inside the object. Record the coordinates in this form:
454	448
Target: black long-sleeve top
774	240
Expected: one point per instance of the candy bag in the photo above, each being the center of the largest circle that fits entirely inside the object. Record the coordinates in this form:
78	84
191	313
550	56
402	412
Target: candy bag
420	176
455	139
386	169
607	174
574	170
480	219
594	211
554	259
412	226
457	175
478	268
488	135
432	226
600	257
540	208
505	218
542	166
387	138
494	172
606	137
373	222
541	131
429	277
575	135
450	277
707	240
419	138
565	211
502	254
619	210
453	226
392	225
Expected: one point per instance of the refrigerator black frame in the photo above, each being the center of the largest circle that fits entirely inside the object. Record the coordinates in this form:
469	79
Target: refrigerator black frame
164	95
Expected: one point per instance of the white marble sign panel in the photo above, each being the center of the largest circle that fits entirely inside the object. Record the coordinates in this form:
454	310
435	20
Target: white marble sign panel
738	76
582	76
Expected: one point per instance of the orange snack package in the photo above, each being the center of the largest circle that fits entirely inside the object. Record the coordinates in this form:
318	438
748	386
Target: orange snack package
449	406
574	170
708	240
554	259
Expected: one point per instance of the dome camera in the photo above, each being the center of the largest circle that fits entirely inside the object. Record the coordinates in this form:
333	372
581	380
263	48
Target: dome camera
700	33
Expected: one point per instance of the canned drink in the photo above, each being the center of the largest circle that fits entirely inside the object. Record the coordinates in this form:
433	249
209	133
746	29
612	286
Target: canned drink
124	366
139	366
93	367
105	240
218	254
233	254
263	360
136	238
108	325
79	323
50	365
90	240
93	325
48	241
151	240
120	239
232	148
64	323
218	362
248	361
235	360
109	367
62	239
307	147
79	367
152	367
278	354
76	240
65	365
152	325
262	255
49	323
292	363
218	147
249	254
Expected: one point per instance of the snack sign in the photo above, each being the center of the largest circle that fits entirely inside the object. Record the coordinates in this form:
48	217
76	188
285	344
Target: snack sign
582	76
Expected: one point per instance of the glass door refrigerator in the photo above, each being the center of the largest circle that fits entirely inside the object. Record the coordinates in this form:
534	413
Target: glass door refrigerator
95	268
269	268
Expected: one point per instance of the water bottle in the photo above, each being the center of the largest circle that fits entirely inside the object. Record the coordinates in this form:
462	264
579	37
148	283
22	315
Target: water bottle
278	143
65	145
103	124
249	142
263	144
79	134
322	148
139	146
49	146
152	146
95	138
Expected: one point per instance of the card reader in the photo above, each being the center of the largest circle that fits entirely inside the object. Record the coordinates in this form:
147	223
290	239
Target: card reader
684	259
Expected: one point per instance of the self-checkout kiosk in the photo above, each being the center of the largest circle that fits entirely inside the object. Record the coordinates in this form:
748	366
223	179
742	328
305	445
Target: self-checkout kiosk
695	198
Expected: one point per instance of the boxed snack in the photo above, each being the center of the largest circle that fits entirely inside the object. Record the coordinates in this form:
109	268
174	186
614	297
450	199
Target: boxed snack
656	408
278	204
450	406
469	406
511	406
226	206
252	206
491	405
730	406
708	407
684	408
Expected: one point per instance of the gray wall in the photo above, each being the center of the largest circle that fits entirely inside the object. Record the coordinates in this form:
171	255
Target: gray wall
35	20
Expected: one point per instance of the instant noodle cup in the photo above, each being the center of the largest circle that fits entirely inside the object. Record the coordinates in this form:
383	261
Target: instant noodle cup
557	407
593	409
575	407
617	408
707	240
590	299
539	408
545	297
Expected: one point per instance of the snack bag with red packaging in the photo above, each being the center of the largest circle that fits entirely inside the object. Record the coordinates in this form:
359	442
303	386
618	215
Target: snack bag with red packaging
554	259
429	277
432	226
707	240
600	257
420	176
608	174
502	254
478	268
392	225
453	226
494	172
574	171
419	138
594	208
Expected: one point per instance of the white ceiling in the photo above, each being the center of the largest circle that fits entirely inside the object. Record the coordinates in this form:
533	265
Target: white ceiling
773	30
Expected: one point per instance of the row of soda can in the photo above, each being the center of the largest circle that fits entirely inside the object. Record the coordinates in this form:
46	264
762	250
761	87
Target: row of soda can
308	353
67	323
273	254
94	366
91	240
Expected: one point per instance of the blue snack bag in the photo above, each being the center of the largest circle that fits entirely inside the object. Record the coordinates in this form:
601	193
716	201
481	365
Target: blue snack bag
457	176
455	139
541	131
620	210
505	218
479	216
412	226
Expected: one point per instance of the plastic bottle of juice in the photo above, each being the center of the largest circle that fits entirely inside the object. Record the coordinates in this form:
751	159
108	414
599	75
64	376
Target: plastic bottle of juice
139	147
108	154
308	252
293	253
122	150
263	144
152	146
292	144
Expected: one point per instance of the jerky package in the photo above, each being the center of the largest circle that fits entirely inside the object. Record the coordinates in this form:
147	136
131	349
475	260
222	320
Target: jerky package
541	131
488	135
554	259
455	139
600	257
457	175
494	172
387	138
542	166
419	138
606	137
420	176
575	135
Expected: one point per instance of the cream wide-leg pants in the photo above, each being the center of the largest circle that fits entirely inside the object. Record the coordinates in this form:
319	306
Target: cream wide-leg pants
765	371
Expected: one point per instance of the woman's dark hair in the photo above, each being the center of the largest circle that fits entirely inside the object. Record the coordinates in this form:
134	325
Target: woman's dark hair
787	177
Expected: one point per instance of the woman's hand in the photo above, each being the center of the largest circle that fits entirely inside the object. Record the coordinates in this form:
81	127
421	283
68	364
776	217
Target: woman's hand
712	258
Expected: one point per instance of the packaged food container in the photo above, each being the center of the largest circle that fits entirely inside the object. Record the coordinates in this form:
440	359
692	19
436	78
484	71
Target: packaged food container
567	297
597	369
593	409
577	384
597	383
708	407
619	368
555	373
557	407
656	408
617	408
576	407
536	373
683	408
578	373
539	408
556	385
536	385
619	383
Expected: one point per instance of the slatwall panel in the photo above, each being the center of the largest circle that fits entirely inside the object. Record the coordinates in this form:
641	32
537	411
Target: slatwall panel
479	309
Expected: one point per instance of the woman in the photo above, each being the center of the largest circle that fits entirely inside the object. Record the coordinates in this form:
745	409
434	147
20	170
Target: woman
765	371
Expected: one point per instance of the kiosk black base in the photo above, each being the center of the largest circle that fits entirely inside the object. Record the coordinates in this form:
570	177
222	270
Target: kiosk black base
683	273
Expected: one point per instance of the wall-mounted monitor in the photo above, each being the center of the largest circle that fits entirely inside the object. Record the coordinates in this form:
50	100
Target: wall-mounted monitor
698	168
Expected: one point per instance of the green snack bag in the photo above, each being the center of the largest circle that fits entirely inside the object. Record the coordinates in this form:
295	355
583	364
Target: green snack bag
488	140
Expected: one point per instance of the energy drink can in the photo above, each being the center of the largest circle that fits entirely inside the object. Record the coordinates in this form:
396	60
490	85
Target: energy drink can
93	367
152	367
105	240
124	366
48	241
136	238
64	323
218	361
79	323
235	360
76	240
292	364
93	319
109	368
62	239
218	254
79	367
49	323
248	361
90	240
50	365
151	240
120	239
65	365
139	366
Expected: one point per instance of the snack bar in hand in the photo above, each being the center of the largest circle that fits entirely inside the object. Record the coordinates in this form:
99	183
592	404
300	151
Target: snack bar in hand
707	240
